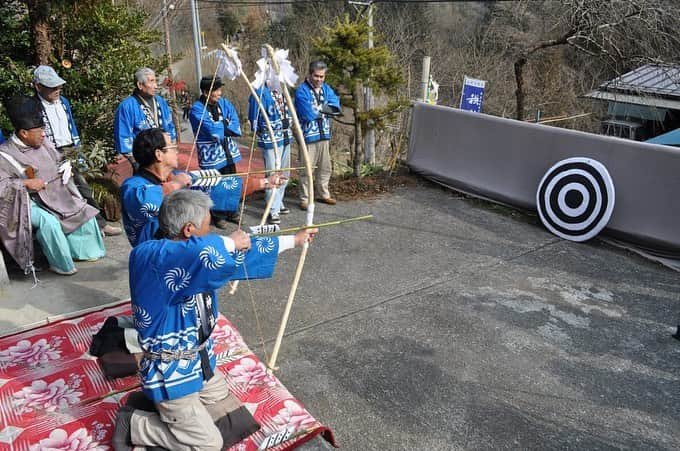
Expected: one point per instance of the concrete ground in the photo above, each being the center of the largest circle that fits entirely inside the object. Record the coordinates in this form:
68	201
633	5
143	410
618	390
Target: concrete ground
446	323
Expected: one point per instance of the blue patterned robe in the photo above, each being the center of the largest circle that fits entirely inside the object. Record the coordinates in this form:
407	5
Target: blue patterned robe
130	120
169	283
141	198
315	126
258	124
214	138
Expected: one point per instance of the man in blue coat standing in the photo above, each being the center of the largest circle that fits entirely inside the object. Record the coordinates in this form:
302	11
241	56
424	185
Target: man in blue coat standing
142	110
315	103
279	118
215	124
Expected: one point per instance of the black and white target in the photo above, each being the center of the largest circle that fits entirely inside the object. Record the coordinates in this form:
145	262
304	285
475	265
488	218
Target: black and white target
575	198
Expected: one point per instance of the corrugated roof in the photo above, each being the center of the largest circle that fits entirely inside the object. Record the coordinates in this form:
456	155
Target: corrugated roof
651	100
649	79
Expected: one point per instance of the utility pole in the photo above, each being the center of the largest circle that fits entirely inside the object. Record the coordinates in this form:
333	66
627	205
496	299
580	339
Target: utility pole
197	42
369	137
425	78
168	51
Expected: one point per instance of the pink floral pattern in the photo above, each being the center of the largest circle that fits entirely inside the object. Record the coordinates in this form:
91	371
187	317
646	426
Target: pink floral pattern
251	373
50	390
40	395
59	439
224	334
25	352
292	415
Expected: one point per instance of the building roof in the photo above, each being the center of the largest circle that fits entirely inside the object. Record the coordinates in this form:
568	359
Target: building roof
651	84
671	138
648	79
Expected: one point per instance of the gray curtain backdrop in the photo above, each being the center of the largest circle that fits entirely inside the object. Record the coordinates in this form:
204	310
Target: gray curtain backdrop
504	160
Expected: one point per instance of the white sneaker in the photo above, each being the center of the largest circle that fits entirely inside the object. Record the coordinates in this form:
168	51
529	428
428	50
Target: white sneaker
63	273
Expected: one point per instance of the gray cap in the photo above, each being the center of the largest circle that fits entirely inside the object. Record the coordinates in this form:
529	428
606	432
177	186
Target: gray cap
46	76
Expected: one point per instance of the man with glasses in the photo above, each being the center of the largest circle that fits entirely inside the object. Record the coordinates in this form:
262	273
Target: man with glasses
61	131
157	176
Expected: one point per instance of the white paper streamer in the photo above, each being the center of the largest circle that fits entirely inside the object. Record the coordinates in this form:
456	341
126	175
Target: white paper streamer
266	74
228	63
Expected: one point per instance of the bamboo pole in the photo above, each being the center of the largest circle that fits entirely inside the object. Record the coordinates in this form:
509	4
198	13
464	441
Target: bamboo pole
271	365
234	285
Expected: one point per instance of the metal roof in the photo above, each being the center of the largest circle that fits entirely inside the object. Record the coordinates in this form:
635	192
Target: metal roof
671	138
636	99
650	79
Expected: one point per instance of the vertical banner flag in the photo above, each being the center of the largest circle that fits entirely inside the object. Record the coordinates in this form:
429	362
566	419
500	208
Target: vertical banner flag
472	95
432	92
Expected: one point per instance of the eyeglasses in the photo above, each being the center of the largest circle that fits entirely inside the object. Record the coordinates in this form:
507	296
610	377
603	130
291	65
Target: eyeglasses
172	147
47	88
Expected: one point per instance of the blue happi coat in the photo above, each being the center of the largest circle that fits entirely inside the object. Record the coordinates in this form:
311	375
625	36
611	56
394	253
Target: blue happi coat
2	137
214	138
315	126
170	282
258	124
75	136
142	196
130	120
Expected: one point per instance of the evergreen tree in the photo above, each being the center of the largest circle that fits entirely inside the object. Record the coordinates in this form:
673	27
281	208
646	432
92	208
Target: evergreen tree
353	66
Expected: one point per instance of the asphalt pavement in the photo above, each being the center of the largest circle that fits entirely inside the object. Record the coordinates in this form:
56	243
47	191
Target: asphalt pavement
445	323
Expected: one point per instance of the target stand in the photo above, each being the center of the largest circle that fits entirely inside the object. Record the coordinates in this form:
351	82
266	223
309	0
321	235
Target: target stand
575	198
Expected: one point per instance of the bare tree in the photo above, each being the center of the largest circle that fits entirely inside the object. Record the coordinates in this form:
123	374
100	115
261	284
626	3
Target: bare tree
38	13
617	33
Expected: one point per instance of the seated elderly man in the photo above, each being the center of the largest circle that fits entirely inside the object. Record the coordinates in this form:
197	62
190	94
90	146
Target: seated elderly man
34	196
157	176
173	285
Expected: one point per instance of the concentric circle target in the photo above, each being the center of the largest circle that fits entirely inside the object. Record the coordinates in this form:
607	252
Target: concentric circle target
575	198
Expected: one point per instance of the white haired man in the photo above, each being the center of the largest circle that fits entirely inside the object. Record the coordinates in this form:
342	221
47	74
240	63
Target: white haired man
173	286
142	110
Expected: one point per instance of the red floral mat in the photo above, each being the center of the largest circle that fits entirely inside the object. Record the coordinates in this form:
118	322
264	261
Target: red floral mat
53	395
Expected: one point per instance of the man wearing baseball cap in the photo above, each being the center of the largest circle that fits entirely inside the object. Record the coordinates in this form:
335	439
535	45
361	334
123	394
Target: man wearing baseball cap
61	131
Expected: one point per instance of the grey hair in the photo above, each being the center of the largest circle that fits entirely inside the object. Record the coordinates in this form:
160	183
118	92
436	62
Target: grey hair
180	208
317	65
142	74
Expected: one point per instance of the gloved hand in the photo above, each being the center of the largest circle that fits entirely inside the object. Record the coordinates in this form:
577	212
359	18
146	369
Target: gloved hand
65	170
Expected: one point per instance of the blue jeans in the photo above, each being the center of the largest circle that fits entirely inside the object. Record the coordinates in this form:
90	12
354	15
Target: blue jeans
270	163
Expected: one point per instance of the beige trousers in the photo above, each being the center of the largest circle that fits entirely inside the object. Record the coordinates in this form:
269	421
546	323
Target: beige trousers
186	423
319	156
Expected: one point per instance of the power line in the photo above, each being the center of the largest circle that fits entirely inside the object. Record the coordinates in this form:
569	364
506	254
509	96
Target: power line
291	2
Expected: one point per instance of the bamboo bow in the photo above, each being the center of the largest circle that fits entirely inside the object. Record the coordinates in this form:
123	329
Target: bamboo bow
271	365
